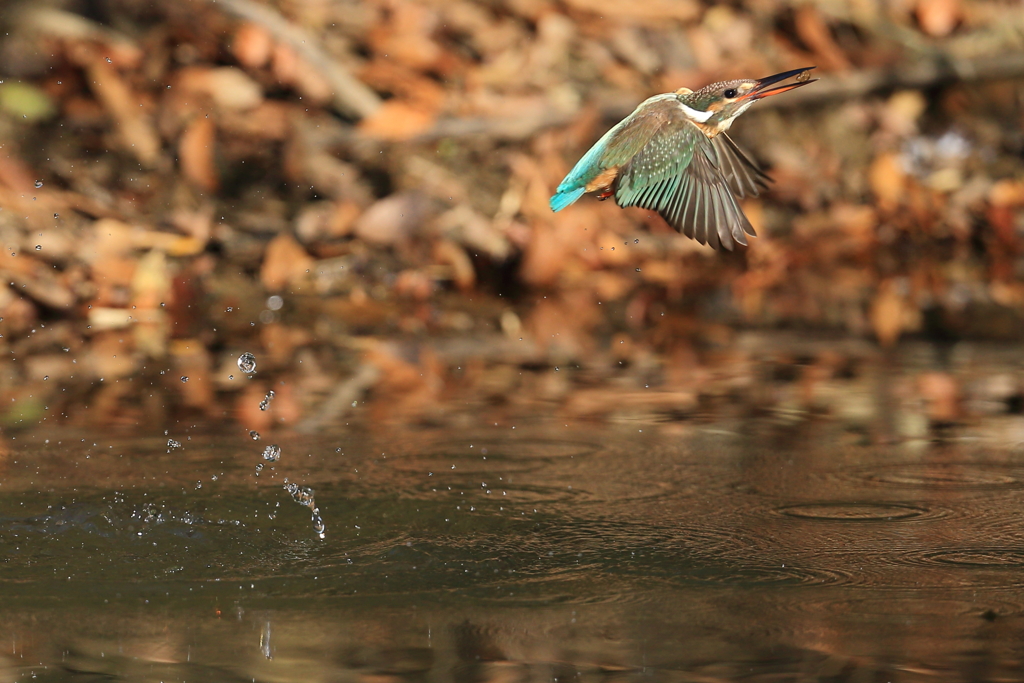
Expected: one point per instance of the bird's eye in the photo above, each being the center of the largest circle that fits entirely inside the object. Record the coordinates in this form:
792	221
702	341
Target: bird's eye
730	93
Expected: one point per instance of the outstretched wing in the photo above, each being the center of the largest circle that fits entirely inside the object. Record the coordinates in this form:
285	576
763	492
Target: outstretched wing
745	177
615	148
693	182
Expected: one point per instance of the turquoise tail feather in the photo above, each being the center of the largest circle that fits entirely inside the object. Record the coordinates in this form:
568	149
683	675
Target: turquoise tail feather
563	199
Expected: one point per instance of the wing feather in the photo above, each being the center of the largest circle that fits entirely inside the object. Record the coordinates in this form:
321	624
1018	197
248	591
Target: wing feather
692	181
745	177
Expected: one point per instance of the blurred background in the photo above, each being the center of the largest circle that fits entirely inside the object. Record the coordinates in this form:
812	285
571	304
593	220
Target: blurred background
355	192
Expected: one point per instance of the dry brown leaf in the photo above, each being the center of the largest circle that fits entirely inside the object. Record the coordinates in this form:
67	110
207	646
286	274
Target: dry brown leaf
611	251
902	112
286	409
247	407
151	281
138	135
392	219
252	45
286	64
196	154
407	84
887	313
111	237
397	120
476	232
110	356
123	52
1007	192
280	342
150	331
284	263
563	327
407	38
938	18
326	220
414	283
192	364
292	70
47	290
448	253
647	10
15	174
267	121
888	180
404	389
815	32
227	87
942	395
312	85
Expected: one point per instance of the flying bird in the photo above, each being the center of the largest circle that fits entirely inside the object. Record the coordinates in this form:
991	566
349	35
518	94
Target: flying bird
673	155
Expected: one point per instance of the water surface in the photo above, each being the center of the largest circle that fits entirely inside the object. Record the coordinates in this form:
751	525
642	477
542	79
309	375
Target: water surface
741	551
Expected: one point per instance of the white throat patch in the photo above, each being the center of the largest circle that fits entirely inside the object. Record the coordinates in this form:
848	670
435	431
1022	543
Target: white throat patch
724	125
696	114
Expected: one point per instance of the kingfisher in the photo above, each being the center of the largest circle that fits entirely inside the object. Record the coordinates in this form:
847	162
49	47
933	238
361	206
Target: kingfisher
673	155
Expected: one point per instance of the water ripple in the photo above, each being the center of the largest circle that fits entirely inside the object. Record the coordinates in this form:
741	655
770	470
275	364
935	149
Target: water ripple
853	511
945	476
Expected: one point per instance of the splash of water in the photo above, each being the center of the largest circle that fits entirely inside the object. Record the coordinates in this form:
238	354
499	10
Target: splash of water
303	495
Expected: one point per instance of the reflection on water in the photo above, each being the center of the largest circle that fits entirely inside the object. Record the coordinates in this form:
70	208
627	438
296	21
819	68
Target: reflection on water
746	551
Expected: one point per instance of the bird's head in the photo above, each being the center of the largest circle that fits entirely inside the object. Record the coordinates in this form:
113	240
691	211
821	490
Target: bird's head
717	105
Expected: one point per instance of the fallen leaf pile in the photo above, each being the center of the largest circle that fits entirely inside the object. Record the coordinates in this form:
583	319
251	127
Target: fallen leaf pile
356	192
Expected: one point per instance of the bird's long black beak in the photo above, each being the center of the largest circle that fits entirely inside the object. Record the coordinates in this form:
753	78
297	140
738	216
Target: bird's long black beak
759	91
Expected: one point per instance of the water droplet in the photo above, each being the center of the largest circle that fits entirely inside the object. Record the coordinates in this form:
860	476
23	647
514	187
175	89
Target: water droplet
303	495
318	523
39	183
46	377
254	435
638	270
229	309
636	241
171	443
247	363
109	60
56	215
39	247
272	453
355	403
259	468
265	403
184	378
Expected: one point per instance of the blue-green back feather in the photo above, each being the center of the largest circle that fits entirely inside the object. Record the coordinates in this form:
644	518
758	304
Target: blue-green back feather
560	200
586	169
